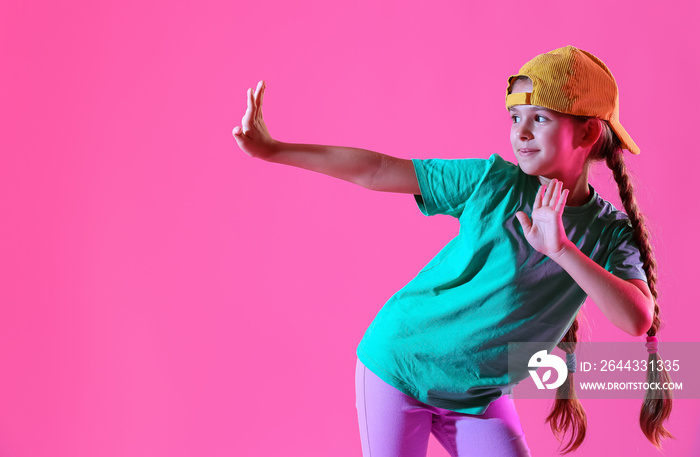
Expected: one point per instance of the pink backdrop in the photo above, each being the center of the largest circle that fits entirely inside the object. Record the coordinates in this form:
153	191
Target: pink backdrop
164	294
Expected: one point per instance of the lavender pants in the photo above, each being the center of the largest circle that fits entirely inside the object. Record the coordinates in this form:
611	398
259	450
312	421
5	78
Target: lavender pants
393	424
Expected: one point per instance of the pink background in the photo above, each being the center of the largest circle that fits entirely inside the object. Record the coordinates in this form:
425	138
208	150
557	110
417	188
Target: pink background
164	294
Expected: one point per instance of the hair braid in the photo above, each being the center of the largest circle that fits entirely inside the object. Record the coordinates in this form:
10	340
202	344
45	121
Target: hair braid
568	413
656	408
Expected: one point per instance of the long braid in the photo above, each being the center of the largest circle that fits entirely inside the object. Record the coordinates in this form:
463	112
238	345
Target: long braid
568	413
658	403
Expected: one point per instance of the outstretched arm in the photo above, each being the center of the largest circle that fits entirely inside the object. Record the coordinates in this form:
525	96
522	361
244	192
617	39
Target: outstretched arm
369	169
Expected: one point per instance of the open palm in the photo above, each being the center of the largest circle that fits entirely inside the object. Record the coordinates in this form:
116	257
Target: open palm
252	135
545	232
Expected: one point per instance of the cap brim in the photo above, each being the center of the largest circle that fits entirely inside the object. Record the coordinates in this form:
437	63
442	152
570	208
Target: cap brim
625	138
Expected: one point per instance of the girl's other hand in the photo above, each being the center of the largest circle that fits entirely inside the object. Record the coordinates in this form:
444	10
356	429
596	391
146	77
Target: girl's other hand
545	232
253	137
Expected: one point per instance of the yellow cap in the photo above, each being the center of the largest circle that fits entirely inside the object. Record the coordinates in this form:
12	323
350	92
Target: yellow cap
573	81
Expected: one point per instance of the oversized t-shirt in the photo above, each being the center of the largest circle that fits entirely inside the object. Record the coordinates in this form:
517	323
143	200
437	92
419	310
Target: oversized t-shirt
443	338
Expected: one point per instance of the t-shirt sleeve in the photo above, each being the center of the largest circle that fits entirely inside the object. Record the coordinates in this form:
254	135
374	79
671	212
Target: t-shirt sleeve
447	184
624	260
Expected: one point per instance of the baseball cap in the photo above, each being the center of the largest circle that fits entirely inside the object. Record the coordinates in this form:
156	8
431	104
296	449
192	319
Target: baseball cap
572	81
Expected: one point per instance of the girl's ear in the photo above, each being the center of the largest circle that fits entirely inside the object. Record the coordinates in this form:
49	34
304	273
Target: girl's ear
592	129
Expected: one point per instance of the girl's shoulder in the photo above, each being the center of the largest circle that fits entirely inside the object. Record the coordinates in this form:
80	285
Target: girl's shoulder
610	220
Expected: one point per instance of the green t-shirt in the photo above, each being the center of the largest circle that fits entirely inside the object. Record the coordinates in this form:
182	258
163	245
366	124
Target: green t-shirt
443	338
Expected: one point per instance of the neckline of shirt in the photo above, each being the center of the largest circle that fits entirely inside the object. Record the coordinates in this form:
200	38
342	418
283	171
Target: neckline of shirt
569	209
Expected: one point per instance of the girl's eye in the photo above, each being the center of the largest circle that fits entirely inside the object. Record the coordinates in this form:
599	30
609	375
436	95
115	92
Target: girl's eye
538	118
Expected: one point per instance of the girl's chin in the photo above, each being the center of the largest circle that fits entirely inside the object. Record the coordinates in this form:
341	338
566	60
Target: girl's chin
529	169
526	165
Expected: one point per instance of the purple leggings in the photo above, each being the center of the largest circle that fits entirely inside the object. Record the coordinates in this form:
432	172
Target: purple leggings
393	424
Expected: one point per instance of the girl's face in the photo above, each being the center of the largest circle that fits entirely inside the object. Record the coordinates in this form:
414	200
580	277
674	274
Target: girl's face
545	142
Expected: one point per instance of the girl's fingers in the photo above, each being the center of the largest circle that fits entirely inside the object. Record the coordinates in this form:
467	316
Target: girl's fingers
258	99
556	194
258	93
538	198
545	194
550	193
247	117
254	103
562	201
553	193
262	94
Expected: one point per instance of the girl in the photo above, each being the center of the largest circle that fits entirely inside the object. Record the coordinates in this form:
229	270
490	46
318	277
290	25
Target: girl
535	240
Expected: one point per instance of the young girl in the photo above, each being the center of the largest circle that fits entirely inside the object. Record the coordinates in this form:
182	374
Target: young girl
535	240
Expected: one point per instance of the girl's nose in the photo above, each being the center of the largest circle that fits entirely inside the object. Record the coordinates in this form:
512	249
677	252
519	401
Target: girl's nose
523	132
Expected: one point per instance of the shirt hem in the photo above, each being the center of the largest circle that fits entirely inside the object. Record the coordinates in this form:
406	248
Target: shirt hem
406	389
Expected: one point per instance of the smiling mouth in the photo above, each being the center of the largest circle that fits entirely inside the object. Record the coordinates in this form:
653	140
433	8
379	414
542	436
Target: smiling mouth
527	150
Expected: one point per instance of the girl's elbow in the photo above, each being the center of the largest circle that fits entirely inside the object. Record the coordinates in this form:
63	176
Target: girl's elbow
645	323
639	332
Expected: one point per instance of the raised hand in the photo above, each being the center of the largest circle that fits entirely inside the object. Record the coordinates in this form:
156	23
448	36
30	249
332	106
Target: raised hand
545	232
253	137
